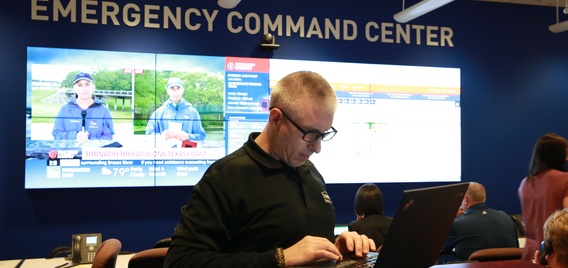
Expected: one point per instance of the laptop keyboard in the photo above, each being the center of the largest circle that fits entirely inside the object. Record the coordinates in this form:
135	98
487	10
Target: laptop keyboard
368	262
348	262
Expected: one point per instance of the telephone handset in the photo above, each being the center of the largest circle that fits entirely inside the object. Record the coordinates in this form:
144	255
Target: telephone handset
84	247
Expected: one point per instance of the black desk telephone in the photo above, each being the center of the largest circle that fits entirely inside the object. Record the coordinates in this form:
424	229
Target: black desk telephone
84	247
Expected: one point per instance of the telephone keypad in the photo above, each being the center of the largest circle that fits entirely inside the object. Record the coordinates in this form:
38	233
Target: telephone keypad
90	256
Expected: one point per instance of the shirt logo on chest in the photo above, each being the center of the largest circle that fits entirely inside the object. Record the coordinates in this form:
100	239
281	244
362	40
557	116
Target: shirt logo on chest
93	125
326	197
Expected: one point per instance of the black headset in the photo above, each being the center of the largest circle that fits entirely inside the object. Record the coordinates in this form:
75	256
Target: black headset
545	250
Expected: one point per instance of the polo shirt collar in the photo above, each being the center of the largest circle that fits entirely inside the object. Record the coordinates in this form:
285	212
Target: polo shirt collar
263	157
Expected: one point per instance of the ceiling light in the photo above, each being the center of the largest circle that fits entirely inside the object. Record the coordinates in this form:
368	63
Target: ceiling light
559	26
419	9
228	4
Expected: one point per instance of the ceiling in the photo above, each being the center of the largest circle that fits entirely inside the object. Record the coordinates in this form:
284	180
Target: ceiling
551	3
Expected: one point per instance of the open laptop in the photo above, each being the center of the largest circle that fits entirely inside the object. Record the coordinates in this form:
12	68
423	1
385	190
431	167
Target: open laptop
417	233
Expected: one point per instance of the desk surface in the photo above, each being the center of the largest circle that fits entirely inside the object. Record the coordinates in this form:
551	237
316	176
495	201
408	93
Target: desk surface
490	264
121	262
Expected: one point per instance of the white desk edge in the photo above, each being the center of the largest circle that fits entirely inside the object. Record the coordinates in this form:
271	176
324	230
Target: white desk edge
121	262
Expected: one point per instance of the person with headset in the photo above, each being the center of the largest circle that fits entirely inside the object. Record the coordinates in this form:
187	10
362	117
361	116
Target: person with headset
176	119
553	251
83	118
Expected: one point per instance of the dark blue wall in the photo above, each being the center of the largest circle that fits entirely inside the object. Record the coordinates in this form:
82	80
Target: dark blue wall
514	88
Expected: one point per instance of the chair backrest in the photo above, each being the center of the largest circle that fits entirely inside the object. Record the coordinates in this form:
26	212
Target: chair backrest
106	255
496	254
60	251
149	258
520	224
163	243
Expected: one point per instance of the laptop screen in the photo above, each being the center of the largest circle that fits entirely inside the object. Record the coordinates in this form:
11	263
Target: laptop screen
420	226
340	228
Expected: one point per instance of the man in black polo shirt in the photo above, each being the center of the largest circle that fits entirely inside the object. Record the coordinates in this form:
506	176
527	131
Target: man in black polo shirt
266	205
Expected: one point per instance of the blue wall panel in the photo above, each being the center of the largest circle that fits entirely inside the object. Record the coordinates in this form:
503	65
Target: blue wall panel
513	90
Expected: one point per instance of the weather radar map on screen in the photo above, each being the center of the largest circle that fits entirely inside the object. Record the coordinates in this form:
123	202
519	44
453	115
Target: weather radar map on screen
162	119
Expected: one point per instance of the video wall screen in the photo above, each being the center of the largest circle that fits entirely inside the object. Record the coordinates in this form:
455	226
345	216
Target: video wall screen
125	119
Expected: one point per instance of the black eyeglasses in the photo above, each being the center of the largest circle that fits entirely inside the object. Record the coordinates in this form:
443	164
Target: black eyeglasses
312	135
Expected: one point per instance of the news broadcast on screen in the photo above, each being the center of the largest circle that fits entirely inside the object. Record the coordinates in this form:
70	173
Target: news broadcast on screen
402	121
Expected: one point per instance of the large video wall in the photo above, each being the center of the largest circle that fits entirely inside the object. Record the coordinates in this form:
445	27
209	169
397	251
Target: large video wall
402	120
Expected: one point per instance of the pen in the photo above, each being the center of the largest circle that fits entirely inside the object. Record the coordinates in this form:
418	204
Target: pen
19	263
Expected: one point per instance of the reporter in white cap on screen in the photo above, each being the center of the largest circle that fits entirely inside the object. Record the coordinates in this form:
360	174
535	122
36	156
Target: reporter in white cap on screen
84	117
176	118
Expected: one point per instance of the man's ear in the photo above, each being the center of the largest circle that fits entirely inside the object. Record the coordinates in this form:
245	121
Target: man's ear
275	117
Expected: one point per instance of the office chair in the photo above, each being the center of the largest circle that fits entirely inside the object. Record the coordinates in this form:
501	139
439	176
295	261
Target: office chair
496	254
520	224
149	258
163	243
60	251
106	255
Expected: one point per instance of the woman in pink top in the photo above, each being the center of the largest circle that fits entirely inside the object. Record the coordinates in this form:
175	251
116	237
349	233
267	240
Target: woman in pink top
544	190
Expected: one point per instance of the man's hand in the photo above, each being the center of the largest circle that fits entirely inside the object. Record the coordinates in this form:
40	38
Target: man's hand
536	257
182	136
169	134
460	213
82	135
178	135
360	245
311	249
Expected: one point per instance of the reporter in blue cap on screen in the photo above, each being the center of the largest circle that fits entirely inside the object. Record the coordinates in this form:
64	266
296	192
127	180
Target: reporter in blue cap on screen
83	118
176	118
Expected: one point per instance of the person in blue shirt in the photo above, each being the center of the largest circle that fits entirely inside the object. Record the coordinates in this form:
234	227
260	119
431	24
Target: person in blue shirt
479	227
83	118
176	118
